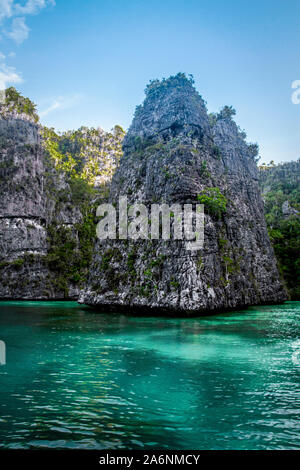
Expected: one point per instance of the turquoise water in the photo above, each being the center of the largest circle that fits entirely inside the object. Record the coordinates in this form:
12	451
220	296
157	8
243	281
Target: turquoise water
76	379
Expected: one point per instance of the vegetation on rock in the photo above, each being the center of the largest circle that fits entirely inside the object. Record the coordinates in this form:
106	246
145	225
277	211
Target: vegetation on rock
87	158
87	153
214	201
75	169
281	192
174	81
14	101
70	251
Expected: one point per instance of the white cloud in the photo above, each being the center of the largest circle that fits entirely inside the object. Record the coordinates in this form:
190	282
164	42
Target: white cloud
19	31
61	103
10	55
13	22
6	9
32	7
8	75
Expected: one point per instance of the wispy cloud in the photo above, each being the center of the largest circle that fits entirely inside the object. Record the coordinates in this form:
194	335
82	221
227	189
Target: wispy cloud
8	75
13	25
19	30
32	7
61	103
6	9
13	15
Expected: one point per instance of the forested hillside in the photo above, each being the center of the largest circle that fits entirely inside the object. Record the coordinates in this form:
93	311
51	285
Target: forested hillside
281	192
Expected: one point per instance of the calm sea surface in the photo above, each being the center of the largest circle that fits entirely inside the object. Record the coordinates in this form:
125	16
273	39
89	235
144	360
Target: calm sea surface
77	379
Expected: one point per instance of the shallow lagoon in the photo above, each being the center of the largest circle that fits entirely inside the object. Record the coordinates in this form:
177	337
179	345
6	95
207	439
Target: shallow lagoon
78	379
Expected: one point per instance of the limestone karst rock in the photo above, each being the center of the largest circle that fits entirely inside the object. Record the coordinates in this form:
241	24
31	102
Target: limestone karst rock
46	210
28	206
175	152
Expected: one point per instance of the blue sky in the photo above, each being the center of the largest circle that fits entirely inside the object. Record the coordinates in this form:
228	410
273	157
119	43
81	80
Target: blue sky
86	62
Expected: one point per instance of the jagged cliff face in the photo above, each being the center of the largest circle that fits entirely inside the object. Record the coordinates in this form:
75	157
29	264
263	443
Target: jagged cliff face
47	186
175	153
28	206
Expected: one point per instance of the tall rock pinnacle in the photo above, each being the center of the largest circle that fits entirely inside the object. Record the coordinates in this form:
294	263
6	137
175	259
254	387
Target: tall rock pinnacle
175	152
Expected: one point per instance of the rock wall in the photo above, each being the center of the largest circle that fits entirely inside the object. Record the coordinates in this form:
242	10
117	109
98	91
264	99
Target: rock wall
49	186
175	152
28	205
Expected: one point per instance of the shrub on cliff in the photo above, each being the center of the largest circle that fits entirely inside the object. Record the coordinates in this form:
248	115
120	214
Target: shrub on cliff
174	81
14	101
213	200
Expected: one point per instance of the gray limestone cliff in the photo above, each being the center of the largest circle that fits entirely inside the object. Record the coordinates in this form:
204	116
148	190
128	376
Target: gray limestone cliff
175	152
48	187
28	206
280	185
